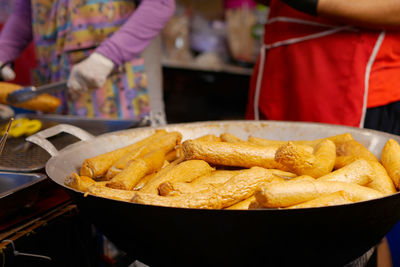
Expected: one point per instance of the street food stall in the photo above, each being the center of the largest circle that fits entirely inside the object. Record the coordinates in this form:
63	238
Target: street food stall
199	133
195	228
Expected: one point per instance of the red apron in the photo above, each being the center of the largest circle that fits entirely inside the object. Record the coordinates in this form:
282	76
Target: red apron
310	69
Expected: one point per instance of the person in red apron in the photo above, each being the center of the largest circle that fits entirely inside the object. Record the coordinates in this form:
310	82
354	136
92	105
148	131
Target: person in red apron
315	69
330	61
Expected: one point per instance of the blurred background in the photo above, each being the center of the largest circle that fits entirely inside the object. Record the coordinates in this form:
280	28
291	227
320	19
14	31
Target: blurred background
209	48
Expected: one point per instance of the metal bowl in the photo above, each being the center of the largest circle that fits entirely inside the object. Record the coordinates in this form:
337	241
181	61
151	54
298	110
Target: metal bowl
163	236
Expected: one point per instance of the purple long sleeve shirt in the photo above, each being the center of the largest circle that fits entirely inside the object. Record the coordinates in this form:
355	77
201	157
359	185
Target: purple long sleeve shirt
130	40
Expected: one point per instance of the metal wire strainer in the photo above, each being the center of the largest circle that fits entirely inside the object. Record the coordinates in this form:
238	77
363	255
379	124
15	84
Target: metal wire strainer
20	156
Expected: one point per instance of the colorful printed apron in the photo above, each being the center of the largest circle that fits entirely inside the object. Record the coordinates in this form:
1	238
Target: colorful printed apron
312	70
66	32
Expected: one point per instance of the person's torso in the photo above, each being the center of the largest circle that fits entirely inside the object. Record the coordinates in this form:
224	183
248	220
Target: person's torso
384	83
316	68
66	32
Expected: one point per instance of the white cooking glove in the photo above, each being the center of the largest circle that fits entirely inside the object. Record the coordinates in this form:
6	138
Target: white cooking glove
157	118
89	74
6	73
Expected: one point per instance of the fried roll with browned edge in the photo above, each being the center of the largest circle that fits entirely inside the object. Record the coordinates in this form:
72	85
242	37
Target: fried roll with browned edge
112	193
232	154
97	166
129	177
358	172
182	172
381	181
236	189
351	150
391	160
281	195
336	198
302	162
165	142
80	183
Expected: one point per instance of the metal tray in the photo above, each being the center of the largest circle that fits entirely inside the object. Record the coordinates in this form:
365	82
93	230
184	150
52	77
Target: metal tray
95	126
18	191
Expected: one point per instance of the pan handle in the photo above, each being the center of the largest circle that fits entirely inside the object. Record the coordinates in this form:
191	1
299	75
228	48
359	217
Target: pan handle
40	138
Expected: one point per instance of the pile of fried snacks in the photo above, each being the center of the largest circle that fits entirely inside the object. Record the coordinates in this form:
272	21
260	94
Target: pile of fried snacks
226	172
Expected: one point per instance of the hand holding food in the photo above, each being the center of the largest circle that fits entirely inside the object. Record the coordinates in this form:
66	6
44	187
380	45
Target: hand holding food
89	74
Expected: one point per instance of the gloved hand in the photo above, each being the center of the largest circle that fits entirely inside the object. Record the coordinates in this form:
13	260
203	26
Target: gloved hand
6	73
89	74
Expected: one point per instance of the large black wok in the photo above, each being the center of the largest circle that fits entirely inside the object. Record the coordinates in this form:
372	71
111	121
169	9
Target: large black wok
162	236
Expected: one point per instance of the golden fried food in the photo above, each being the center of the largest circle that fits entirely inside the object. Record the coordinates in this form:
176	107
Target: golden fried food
302	178
302	162
107	192
185	171
152	185
166	143
236	189
336	198
242	205
189	170
231	154
97	166
142	182
351	150
174	154
283	174
337	138
267	142
201	200
245	204
281	195
253	174
129	177
45	103
80	183
358	172
178	188
215	177
254	205
204	182
381	180
230	138
209	138
391	160
178	179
